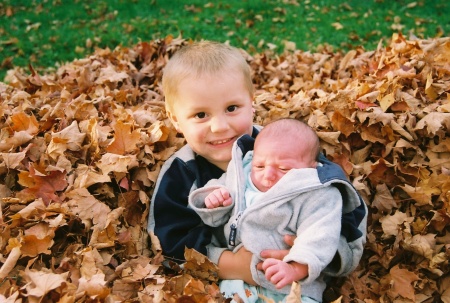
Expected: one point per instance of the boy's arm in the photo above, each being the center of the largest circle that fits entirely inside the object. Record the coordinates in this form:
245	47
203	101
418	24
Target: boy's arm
236	266
278	254
175	224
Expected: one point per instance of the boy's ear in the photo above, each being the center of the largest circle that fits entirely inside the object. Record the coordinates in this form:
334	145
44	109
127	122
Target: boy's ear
174	121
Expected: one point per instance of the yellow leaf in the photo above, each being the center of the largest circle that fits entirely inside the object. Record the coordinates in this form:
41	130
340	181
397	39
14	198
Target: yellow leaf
387	101
337	26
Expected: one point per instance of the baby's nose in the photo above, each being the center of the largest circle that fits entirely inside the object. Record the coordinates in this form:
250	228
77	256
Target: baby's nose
270	173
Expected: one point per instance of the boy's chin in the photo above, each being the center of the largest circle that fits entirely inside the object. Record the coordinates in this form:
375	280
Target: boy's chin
220	162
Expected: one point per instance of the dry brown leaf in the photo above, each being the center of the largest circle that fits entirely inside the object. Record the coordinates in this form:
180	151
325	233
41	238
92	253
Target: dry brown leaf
41	282
125	140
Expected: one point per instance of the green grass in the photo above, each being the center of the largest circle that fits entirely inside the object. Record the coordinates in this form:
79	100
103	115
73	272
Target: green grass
49	32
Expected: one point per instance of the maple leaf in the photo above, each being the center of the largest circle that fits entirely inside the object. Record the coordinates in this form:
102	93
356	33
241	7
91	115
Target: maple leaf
401	280
116	163
383	199
69	138
125	140
103	237
45	187
19	138
12	160
422	195
198	265
88	208
159	132
95	288
87	176
392	224
434	122
23	122
444	288
421	245
342	123
109	74
40	282
33	246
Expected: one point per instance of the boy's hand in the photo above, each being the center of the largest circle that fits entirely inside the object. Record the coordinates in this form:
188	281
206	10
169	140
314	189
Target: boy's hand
281	273
278	254
218	197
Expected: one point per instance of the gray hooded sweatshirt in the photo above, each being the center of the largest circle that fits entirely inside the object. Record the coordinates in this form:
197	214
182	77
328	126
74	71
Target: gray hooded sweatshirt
299	204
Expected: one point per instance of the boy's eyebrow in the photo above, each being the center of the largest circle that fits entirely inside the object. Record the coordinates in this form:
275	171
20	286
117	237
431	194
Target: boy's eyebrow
196	108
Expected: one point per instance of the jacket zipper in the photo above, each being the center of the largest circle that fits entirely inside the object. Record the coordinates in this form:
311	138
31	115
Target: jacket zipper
233	230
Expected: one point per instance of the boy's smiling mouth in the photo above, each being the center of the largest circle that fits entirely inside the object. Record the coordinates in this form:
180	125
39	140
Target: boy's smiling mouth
219	142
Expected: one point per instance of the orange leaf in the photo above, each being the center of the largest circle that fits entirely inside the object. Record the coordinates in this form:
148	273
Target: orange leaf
22	122
33	246
125	140
44	187
402	279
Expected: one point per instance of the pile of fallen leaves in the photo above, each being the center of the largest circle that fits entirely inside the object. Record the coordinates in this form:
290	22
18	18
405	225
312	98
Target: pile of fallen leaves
80	150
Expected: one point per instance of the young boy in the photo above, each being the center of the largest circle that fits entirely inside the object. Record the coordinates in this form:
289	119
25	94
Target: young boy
209	92
271	191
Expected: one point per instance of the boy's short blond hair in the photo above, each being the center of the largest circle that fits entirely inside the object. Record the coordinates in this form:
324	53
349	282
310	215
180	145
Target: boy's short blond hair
202	58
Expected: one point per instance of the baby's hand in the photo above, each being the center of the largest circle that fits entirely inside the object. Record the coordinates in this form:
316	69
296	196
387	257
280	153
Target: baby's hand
219	197
281	273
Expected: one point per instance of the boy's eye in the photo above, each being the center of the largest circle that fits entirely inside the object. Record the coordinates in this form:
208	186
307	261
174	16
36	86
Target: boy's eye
201	115
232	108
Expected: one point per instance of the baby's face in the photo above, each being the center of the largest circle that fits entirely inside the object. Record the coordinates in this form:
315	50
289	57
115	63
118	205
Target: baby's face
212	112
273	158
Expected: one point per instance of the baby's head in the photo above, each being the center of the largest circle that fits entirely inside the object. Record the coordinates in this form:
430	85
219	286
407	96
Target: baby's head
204	58
283	145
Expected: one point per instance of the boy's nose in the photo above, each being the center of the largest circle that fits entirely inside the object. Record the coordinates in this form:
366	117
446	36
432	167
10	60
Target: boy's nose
218	124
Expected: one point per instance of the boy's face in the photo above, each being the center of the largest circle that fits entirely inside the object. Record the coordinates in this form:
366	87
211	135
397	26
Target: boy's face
272	159
212	112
